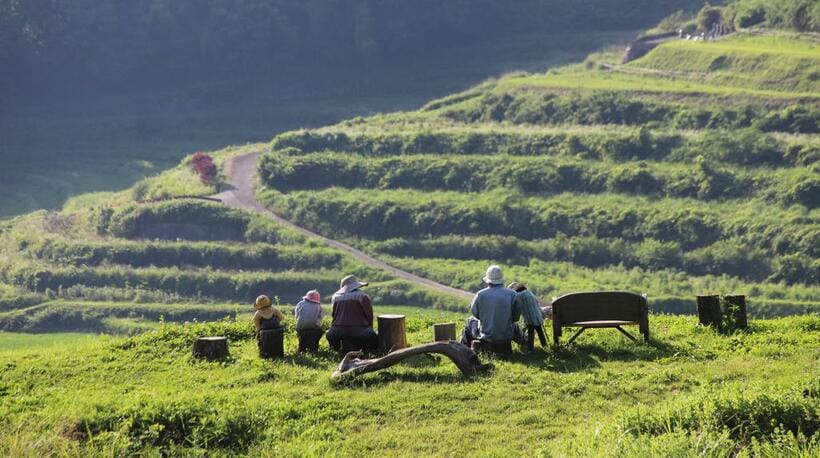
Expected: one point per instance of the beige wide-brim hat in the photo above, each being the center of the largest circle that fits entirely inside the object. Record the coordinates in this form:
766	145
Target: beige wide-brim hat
350	283
494	276
517	286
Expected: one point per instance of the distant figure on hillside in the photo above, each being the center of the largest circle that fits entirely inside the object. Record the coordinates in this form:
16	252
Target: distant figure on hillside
309	314
266	316
493	310
532	313
352	317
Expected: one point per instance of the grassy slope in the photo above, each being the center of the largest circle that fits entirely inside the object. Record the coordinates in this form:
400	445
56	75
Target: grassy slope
147	394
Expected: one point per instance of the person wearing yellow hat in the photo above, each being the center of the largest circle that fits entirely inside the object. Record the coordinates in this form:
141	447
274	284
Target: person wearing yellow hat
266	316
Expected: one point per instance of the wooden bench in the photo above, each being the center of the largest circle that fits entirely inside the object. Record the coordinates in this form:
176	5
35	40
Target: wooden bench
609	309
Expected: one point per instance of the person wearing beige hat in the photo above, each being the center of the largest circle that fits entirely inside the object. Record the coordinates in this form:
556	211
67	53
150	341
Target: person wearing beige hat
493	311
532	314
266	316
352	314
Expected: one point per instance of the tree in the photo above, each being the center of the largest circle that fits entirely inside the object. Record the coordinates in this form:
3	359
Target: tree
708	16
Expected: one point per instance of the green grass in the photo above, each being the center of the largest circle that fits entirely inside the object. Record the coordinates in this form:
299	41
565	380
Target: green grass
146	395
11	341
771	62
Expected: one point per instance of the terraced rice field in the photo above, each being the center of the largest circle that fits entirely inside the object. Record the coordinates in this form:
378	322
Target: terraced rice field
587	177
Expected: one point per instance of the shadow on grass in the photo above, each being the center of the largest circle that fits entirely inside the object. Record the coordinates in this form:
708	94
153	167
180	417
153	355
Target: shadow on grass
578	357
416	376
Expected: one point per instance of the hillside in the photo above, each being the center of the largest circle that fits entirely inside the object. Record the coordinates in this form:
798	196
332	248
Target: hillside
591	176
692	169
96	95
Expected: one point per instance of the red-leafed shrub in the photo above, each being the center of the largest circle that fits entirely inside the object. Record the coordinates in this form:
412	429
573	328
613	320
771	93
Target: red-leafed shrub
205	167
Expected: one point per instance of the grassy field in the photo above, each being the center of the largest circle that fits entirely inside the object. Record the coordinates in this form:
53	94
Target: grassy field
11	341
689	392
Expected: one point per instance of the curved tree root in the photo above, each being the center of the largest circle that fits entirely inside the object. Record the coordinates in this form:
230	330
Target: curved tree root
463	357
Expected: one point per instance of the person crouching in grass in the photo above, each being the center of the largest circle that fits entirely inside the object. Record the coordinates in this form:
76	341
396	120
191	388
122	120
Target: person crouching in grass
533	316
309	314
266	316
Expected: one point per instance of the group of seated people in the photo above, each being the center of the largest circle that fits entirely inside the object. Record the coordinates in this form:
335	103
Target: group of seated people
352	317
495	312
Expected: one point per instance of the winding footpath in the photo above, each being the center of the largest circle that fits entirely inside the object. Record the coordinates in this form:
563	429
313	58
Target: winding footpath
242	177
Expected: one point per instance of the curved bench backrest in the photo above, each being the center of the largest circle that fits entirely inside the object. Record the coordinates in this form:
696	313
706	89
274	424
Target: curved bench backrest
598	306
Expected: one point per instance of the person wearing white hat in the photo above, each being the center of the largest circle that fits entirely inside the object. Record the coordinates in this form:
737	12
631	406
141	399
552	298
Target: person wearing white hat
352	317
493	311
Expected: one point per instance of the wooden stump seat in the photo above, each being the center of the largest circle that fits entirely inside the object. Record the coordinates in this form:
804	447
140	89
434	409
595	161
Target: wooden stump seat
211	348
309	340
444	332
392	333
272	343
608	309
502	347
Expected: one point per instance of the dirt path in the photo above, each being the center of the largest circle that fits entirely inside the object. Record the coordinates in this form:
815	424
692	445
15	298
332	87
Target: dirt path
242	177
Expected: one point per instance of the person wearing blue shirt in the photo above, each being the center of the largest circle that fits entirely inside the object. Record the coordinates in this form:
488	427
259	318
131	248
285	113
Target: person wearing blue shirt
493	310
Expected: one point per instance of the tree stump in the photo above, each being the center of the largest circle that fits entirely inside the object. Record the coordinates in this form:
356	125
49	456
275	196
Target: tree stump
709	313
486	346
735	312
309	340
211	348
272	343
392	334
444	332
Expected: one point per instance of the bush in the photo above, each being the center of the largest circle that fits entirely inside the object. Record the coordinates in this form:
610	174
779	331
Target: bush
743	414
186	219
708	16
242	287
204	165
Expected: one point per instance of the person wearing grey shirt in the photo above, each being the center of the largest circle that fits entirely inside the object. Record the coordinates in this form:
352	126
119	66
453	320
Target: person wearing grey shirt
493	310
309	312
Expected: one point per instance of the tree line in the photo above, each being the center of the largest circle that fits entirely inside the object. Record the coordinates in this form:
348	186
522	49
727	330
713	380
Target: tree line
143	42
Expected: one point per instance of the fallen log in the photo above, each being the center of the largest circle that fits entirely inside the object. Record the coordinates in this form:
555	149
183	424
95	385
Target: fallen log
464	358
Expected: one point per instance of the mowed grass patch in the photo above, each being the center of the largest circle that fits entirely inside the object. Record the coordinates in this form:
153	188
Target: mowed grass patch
147	395
762	62
11	341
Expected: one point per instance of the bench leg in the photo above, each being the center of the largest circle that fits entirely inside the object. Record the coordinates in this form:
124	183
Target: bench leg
626	333
576	335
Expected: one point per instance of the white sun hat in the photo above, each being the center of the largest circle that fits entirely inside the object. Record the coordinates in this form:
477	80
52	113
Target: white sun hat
494	276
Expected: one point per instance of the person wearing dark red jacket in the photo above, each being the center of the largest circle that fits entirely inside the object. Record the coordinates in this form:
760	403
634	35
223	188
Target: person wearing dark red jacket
352	317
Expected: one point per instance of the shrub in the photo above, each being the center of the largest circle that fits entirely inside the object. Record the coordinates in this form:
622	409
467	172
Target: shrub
204	165
708	16
744	414
201	254
186	219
